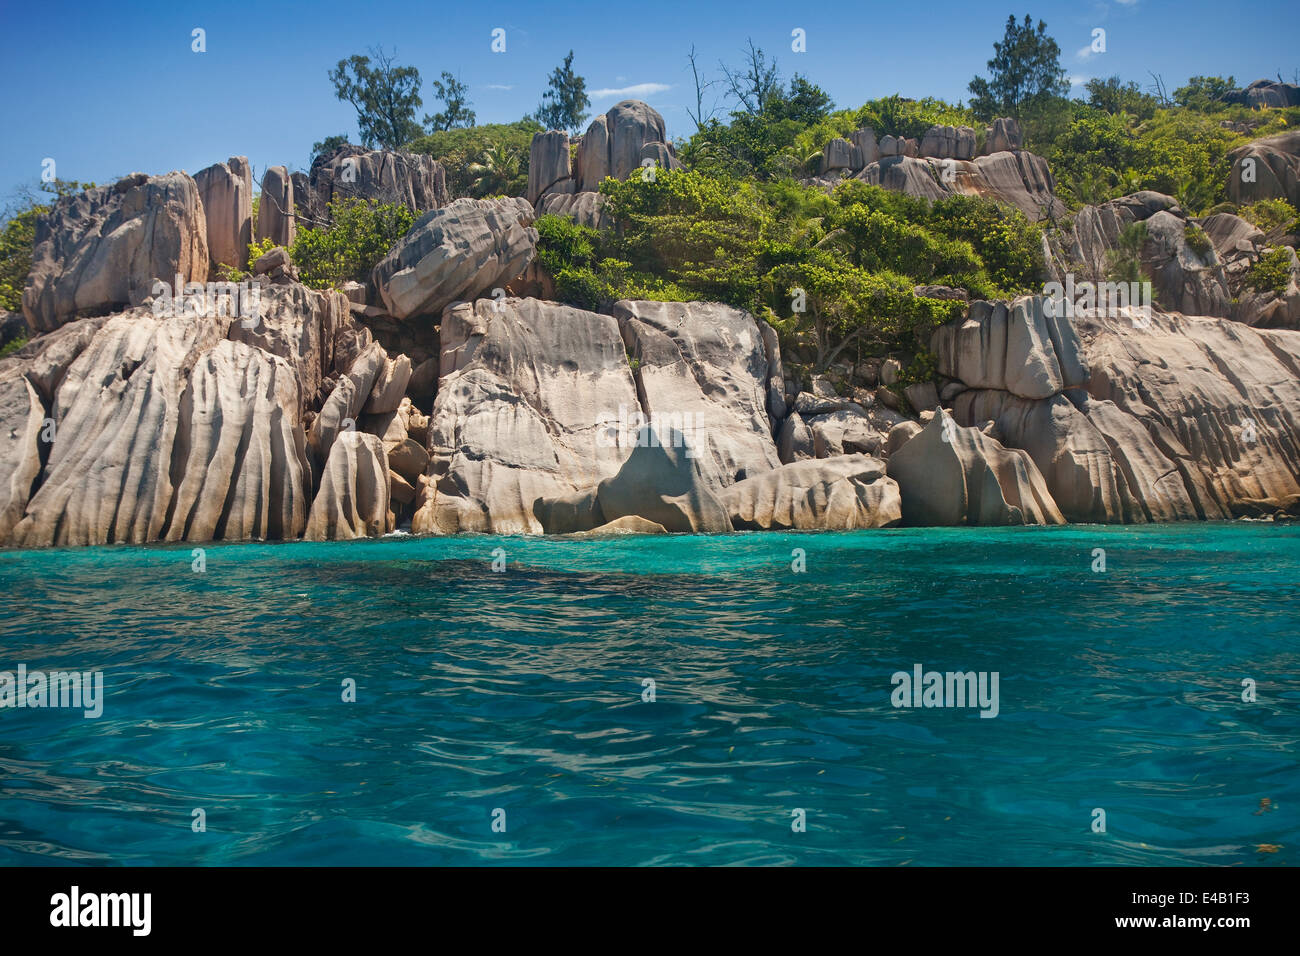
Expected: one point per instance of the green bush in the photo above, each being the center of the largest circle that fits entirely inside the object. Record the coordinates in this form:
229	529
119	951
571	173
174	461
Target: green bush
482	160
1272	273
13	345
1269	214
361	232
1197	240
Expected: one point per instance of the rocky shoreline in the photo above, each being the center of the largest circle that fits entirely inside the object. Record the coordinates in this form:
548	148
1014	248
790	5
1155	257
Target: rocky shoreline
448	395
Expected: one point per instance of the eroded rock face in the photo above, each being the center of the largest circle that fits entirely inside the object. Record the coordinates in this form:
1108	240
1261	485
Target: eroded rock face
949	475
101	250
845	493
459	252
353	501
275	210
1218	399
1020	179
613	144
703	369
528	406
659	484
22	417
548	164
391	177
139	427
1022	348
226	190
1268	168
949	142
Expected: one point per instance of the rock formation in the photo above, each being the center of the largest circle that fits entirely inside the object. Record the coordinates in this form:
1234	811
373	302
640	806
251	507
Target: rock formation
101	250
275	209
842	493
461	251
226	191
392	177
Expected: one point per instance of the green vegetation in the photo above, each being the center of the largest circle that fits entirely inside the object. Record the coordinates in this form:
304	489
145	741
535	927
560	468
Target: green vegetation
565	101
1269	214
1272	273
482	160
831	271
456	112
12	346
1197	240
1025	73
361	232
385	97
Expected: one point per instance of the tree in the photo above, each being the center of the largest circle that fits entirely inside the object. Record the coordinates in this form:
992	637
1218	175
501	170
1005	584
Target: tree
328	145
699	115
1204	93
753	81
385	97
564	104
1025	71
451	92
1113	96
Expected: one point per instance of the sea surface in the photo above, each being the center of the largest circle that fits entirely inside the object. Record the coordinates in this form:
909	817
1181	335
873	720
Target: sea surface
504	717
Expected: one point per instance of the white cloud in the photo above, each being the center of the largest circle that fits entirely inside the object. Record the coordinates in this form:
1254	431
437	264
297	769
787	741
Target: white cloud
500	86
637	90
1084	52
1078	80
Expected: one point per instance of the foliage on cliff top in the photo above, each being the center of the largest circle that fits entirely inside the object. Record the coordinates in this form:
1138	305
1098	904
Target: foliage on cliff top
856	254
460	150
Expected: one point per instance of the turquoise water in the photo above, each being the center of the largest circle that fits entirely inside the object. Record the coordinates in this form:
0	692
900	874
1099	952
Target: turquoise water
522	690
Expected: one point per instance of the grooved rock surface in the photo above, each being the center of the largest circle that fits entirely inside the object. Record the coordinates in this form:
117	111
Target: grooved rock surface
660	484
612	145
703	369
353	501
459	252
391	177
101	250
528	406
226	190
275	210
1020	179
548	163
845	493
1220	399
21	419
949	475
1019	348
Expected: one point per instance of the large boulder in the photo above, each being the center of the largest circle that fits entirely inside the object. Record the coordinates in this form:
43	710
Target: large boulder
1019	179
1216	396
948	142
392	177
702	368
846	493
226	190
275	209
949	475
101	250
1003	136
528	406
459	252
613	144
165	431
586	209
1023	348
353	501
660	483
1268	168
548	164
22	419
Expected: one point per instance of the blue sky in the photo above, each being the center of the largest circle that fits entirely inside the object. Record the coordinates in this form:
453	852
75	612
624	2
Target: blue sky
110	88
